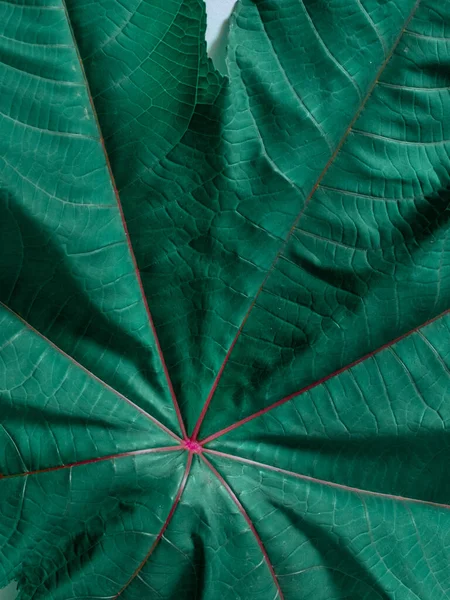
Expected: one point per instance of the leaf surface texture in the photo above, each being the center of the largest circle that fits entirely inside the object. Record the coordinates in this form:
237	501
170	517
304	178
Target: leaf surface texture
224	357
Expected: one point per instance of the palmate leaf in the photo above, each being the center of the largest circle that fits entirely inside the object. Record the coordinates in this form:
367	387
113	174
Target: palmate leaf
225	368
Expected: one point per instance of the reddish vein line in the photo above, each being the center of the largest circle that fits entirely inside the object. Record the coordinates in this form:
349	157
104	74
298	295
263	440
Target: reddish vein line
297	219
196	430
125	228
91	461
325	482
263	411
248	520
164	526
100	381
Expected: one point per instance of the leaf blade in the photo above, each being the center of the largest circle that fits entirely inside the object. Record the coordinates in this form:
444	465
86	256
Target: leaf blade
336	275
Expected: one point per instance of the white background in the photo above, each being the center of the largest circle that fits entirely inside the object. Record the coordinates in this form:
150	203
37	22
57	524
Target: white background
218	13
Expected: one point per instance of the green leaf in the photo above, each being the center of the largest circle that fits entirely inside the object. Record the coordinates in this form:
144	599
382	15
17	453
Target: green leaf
224	318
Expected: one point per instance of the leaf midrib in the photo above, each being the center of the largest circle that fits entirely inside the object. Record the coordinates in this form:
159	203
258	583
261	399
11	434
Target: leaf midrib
326	482
72	360
269	271
124	225
301	213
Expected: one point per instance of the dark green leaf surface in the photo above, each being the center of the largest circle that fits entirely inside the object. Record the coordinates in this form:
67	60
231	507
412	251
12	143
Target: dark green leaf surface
224	355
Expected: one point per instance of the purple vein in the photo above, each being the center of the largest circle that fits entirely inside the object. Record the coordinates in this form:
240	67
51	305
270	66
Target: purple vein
249	523
297	219
347	488
97	379
125	229
163	528
91	461
317	383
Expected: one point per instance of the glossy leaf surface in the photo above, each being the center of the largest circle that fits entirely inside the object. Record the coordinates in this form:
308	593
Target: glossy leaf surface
224	356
